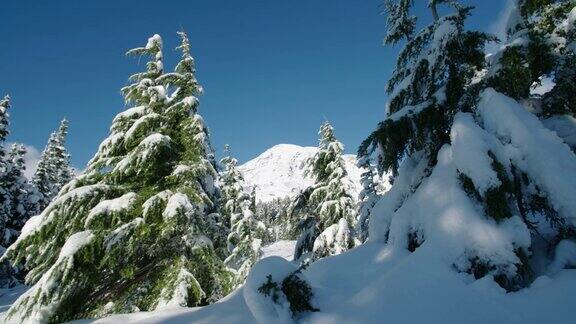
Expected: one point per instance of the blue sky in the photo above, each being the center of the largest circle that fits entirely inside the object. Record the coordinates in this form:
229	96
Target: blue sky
272	70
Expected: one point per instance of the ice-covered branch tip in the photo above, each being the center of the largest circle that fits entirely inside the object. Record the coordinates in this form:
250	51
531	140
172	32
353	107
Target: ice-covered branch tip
185	45
154	44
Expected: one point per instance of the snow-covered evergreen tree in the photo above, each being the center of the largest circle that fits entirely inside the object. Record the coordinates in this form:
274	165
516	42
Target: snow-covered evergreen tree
23	196
246	232
245	241
186	95
4	122
64	172
537	63
134	231
53	170
5	198
232	191
275	215
367	197
18	199
479	182
327	208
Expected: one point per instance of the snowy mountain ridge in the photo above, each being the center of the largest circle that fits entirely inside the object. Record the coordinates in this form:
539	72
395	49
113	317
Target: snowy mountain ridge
280	172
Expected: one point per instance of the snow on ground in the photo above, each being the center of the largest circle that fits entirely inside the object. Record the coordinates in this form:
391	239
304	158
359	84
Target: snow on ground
377	284
283	249
564	126
280	172
8	297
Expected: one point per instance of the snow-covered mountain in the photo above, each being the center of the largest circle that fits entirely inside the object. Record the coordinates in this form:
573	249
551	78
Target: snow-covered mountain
280	172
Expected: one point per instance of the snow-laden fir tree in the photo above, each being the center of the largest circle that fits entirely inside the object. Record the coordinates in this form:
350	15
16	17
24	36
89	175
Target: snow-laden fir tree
232	191
327	208
134	232
537	64
61	157
23	196
479	183
4	122
368	196
18	199
275	215
246	232
53	170
5	198
245	242
187	90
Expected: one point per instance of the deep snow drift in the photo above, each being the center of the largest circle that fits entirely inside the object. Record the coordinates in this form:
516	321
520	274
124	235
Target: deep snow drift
280	172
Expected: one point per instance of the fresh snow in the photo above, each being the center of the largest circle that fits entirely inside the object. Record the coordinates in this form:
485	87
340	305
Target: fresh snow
470	145
536	149
280	172
107	207
8	296
262	306
43	289
130	113
74	243
283	249
178	203
389	285
564	126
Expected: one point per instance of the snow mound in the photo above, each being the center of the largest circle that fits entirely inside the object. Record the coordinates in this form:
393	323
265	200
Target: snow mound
263	307
280	172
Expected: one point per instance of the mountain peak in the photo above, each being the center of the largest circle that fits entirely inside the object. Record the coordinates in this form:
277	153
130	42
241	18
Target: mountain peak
280	172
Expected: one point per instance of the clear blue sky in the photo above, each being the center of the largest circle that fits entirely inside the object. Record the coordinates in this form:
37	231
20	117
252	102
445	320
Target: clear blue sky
272	70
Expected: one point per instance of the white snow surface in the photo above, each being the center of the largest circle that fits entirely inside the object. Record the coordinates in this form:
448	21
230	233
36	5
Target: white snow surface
536	149
283	249
564	126
378	284
8	297
107	207
280	172
262	306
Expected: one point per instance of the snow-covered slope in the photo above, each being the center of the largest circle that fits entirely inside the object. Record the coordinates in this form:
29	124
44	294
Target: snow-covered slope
283	249
280	172
379	285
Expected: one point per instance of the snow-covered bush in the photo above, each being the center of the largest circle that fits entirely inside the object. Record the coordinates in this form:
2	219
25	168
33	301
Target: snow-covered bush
276	291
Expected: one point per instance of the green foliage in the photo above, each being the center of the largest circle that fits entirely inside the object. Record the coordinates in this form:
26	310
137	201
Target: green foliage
324	204
155	239
522	66
495	200
296	290
428	84
270	288
299	294
523	275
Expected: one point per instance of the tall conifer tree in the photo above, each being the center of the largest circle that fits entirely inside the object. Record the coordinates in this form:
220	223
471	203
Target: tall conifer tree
327	209
461	152
134	231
